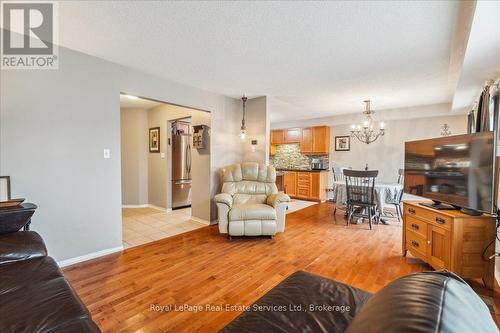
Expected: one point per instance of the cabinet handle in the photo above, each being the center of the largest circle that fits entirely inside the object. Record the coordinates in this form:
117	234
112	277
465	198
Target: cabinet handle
415	226
415	243
411	210
440	220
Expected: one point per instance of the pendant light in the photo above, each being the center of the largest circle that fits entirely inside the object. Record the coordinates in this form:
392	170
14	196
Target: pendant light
243	131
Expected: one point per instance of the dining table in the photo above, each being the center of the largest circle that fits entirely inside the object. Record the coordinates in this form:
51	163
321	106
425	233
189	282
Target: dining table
384	194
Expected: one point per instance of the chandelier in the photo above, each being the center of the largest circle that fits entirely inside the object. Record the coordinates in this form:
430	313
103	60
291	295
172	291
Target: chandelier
366	132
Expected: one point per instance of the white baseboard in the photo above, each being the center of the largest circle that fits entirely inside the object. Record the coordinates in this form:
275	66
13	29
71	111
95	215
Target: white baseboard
168	210
135	206
202	221
85	257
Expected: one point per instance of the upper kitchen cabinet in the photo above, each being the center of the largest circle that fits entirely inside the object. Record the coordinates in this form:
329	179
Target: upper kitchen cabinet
321	140
277	137
292	135
312	140
306	141
315	140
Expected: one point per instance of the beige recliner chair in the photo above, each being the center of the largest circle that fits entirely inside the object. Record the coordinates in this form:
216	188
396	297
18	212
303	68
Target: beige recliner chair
250	204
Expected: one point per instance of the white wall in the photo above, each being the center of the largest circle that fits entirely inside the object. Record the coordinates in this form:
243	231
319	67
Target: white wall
134	156
258	127
54	125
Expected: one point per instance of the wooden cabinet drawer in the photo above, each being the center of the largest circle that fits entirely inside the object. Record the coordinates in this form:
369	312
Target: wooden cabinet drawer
303	176
416	244
440	220
303	192
302	185
417	226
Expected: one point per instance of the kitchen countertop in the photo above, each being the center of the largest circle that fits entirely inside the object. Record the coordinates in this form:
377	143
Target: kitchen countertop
300	170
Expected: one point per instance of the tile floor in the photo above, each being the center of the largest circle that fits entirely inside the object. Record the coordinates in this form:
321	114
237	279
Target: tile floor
144	225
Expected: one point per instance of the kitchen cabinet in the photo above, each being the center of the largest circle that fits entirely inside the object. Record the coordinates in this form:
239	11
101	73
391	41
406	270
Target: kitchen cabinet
306	185
272	150
293	135
290	183
312	140
315	185
306	141
280	182
321	140
303	185
277	137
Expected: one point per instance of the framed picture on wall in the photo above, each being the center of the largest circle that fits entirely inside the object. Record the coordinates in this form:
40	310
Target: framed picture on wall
343	143
154	140
4	188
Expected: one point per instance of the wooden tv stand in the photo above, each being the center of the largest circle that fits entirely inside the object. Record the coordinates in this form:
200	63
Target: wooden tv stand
449	239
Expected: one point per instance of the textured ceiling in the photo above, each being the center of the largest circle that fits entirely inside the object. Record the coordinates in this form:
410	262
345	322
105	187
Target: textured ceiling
482	58
314	59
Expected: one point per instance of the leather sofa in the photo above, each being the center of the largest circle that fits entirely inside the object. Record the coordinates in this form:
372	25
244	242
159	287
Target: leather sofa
427	302
250	204
34	295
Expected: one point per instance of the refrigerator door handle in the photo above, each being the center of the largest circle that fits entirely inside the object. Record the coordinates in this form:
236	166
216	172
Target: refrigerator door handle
182	182
188	157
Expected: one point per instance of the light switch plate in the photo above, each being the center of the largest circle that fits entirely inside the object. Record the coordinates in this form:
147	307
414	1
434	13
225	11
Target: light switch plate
107	153
162	155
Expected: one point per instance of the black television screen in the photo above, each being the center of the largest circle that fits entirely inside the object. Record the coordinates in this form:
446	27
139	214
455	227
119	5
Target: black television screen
457	170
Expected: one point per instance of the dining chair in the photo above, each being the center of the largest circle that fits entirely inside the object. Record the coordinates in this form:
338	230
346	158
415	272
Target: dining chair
401	176
397	201
360	186
338	175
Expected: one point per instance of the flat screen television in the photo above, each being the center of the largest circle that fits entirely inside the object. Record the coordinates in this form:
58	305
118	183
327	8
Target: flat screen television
454	170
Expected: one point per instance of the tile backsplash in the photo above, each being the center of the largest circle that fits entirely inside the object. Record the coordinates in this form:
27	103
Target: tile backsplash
288	156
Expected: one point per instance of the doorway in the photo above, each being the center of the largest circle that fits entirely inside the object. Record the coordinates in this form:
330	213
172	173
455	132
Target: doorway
160	170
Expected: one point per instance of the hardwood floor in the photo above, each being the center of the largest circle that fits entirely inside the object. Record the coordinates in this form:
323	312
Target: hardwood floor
202	267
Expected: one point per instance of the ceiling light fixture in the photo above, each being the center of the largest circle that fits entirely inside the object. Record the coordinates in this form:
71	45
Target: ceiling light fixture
243	131
366	133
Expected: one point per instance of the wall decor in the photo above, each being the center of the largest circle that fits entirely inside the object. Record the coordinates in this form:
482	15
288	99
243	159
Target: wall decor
154	140
200	136
4	188
343	143
445	130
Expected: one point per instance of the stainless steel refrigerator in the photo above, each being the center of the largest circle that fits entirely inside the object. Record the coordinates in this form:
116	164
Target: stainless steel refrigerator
181	170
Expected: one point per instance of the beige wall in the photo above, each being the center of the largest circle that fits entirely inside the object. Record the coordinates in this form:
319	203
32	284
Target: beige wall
62	127
387	153
160	168
134	156
257	125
